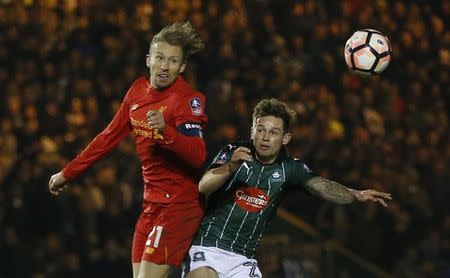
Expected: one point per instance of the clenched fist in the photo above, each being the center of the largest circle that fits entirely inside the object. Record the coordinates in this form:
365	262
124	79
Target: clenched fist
57	183
155	119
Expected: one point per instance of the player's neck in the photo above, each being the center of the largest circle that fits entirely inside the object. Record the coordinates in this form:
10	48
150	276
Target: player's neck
177	82
266	160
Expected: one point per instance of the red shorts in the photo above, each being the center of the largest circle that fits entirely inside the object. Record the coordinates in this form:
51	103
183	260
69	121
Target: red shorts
164	232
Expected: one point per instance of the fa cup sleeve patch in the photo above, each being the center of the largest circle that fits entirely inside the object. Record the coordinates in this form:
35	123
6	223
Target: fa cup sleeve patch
196	107
221	158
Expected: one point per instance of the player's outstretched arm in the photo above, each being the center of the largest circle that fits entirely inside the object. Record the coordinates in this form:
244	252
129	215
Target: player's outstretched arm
213	179
339	194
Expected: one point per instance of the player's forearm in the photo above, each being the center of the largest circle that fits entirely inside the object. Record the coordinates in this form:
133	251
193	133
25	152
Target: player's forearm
190	149
331	190
213	179
100	146
104	142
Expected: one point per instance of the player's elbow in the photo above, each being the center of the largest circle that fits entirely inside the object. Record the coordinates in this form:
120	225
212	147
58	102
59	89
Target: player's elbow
200	158
203	187
198	161
206	185
196	154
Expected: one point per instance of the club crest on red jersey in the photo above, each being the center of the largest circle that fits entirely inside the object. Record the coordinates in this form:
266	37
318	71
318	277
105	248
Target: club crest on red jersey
251	199
196	107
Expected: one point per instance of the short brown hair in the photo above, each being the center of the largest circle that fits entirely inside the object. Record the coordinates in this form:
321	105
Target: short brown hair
276	108
181	34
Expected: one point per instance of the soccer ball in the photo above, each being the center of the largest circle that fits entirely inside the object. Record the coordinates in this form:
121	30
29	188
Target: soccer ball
368	52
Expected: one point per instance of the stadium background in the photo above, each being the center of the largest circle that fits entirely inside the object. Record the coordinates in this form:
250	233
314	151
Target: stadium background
65	66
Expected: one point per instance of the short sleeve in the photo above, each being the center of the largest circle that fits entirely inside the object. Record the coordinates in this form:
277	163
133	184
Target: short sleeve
223	156
298	173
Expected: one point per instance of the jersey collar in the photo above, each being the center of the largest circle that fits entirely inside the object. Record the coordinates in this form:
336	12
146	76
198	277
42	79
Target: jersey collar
282	155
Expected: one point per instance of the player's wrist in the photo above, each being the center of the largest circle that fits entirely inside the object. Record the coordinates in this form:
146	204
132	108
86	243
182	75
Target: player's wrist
64	175
165	137
355	194
232	166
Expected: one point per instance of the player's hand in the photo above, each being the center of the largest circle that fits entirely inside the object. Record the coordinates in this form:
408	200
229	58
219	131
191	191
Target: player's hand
239	155
155	120
373	195
57	183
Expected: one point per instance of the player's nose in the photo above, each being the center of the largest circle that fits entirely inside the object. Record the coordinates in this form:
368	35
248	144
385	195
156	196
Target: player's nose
165	65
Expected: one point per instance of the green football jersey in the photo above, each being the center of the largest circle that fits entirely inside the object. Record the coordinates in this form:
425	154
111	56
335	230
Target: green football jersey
241	209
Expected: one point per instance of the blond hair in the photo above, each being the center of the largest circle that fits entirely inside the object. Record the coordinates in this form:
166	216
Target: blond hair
180	34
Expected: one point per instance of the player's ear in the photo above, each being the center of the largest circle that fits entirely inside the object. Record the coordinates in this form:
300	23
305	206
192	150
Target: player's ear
182	68
147	60
286	138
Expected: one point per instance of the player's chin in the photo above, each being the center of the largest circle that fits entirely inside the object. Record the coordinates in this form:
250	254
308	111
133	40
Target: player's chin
265	151
163	84
265	154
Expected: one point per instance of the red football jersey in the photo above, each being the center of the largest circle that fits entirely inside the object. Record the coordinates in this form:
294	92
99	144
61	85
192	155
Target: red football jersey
170	161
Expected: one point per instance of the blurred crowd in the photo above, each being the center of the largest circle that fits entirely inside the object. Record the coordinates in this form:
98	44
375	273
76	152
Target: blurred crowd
65	66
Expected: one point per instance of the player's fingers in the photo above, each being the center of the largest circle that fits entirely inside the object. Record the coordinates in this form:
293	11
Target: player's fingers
247	153
155	118
381	201
247	158
382	195
158	126
243	149
51	185
387	197
59	189
156	122
367	196
55	191
242	156
376	193
151	113
153	122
